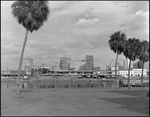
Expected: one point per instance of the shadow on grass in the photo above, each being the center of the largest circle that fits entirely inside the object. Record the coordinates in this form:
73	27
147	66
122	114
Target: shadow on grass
23	90
137	104
140	93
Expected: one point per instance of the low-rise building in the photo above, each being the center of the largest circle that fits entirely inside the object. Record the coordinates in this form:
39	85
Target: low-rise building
12	72
138	72
133	72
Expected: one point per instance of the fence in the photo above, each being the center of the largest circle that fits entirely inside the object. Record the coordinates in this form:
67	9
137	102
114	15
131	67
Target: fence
75	83
67	84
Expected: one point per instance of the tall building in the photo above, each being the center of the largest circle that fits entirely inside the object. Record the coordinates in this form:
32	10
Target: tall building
135	65
126	63
79	65
64	63
89	65
27	64
138	65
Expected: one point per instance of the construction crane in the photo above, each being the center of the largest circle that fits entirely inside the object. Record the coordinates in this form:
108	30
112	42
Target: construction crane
109	64
31	60
27	59
108	67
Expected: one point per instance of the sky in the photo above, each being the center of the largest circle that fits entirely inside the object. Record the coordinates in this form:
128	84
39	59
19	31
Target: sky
73	29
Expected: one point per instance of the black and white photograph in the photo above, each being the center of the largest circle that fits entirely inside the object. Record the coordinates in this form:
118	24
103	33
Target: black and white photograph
74	58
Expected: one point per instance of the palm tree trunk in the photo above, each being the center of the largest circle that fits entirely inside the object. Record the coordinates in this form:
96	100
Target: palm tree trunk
129	75
116	71
142	77
20	63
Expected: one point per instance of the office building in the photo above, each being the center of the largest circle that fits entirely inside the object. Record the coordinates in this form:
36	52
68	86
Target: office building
96	68
79	65
64	63
138	65
27	64
138	72
89	65
147	72
126	63
135	65
133	72
112	68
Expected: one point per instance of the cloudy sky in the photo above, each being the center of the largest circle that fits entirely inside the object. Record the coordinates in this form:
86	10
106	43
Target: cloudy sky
73	30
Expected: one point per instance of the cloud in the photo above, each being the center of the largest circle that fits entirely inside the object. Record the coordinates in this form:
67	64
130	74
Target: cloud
87	22
91	31
45	57
73	29
10	48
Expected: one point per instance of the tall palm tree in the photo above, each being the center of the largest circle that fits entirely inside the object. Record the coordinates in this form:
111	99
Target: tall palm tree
130	52
116	43
144	56
31	14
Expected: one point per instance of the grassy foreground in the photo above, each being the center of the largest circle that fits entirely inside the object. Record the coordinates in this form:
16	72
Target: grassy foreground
80	101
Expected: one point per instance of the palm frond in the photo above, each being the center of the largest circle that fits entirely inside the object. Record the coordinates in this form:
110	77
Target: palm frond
144	51
31	14
117	42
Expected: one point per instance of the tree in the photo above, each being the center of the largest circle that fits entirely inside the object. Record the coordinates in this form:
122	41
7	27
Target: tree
144	56
31	14
116	43
131	52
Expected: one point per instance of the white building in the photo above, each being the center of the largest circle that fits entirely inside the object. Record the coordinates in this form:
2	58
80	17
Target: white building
118	72
138	72
126	63
113	68
134	72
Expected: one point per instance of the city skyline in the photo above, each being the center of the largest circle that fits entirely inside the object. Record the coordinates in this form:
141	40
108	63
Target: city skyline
73	31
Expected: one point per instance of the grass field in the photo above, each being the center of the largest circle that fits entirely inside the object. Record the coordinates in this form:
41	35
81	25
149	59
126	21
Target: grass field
76	101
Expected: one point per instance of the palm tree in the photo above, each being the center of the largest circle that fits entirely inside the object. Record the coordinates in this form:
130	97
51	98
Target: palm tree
31	14
130	52
144	56
116	43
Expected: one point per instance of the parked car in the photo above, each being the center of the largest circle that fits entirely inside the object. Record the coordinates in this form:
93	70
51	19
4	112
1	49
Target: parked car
79	77
25	77
88	76
94	76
